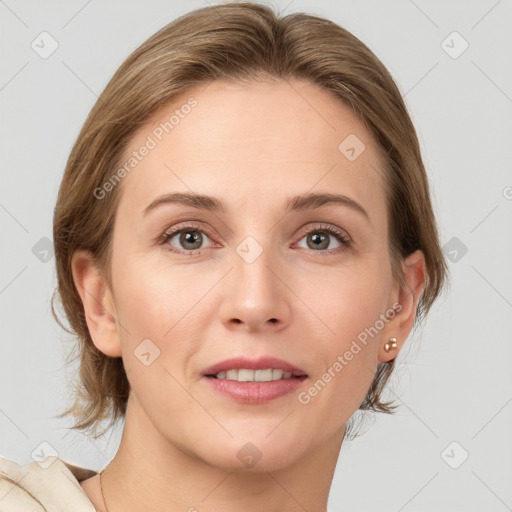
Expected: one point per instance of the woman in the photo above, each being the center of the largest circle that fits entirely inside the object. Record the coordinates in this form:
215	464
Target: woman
244	240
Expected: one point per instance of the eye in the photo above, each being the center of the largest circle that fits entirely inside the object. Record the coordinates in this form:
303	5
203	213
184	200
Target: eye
320	237
185	239
188	239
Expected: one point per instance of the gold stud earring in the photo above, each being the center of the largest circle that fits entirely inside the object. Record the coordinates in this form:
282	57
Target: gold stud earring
390	344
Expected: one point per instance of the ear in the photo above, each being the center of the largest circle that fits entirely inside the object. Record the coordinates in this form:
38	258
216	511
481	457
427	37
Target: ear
405	300
98	302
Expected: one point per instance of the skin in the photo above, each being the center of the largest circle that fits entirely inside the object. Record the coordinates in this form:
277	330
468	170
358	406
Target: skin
253	147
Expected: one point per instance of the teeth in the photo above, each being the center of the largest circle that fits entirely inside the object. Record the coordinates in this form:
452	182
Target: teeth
277	374
231	375
245	375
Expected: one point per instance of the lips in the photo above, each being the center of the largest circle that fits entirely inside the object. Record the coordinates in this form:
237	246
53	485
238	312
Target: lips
261	363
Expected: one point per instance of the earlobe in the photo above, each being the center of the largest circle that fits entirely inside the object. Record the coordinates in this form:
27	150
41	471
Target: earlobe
98	303
408	296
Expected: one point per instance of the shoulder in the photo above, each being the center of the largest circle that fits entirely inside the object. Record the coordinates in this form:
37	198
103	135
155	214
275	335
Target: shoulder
40	486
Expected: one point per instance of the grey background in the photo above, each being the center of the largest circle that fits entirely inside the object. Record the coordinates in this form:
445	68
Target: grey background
454	383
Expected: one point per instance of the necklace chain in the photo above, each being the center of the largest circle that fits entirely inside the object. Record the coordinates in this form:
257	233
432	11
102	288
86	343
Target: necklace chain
102	493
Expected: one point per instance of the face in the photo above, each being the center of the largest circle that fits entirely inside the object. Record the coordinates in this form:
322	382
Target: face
304	280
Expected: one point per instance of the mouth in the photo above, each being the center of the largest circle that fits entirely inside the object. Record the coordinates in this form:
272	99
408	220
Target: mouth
263	369
248	375
254	381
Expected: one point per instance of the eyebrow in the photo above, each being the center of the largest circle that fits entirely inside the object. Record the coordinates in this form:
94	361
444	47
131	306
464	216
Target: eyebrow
307	201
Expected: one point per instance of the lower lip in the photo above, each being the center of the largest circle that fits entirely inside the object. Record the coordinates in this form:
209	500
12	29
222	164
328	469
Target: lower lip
255	392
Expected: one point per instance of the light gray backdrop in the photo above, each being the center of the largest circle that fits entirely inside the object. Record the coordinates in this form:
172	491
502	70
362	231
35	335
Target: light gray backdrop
450	445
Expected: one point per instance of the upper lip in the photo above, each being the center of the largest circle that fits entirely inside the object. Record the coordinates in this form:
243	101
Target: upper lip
261	363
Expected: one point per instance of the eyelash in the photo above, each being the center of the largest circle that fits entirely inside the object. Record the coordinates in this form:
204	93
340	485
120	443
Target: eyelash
341	236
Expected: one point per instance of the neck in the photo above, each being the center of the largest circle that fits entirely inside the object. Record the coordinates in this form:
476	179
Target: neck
151	473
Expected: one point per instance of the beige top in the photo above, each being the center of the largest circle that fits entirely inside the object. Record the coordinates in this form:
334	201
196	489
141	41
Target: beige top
50	485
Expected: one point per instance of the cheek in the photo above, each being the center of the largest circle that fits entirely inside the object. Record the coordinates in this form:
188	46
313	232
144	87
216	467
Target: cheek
348	299
160	308
334	304
348	304
152	298
157	337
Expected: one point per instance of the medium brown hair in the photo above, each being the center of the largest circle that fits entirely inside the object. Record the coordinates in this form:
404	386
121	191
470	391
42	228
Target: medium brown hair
238	42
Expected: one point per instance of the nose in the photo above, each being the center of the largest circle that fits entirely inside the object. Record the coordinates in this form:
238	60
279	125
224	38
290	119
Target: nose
256	296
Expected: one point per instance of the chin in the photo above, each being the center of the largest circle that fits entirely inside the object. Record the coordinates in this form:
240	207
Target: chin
252	454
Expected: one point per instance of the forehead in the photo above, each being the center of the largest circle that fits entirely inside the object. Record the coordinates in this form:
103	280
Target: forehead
248	142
